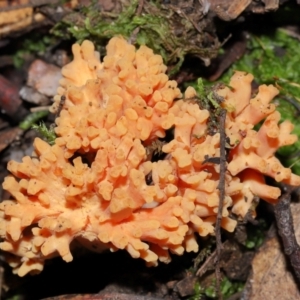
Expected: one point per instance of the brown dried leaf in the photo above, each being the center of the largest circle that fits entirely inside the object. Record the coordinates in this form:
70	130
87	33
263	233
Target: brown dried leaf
15	16
19	19
6	5
186	286
272	277
271	4
229	10
20	16
10	101
44	77
6	137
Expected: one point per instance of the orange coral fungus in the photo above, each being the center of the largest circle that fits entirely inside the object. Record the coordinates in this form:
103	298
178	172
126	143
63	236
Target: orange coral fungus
97	183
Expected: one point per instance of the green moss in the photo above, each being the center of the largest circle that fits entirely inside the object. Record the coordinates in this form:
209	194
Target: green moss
256	234
32	44
47	133
199	292
228	288
30	122
271	58
158	27
275	59
207	98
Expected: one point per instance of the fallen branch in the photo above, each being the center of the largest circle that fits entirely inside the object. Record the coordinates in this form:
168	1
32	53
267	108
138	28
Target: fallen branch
221	188
286	231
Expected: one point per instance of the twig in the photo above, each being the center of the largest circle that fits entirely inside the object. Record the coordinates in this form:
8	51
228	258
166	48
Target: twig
293	102
290	31
39	108
284	221
221	188
206	264
58	110
135	32
60	106
140	7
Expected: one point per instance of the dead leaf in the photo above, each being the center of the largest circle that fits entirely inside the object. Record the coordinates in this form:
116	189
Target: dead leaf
272	277
21	16
44	77
271	4
228	11
6	137
10	102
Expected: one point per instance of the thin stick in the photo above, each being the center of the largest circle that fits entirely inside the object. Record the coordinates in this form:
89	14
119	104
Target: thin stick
135	32
221	188
140	7
205	265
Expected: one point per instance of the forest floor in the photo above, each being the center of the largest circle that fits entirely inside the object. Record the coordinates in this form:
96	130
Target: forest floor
252	262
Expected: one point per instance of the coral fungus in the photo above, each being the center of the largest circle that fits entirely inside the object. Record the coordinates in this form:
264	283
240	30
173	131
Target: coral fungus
98	185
